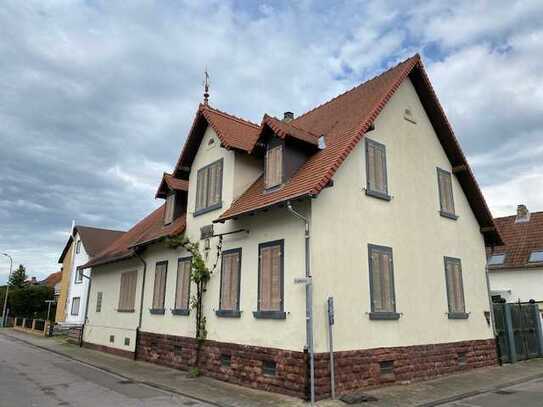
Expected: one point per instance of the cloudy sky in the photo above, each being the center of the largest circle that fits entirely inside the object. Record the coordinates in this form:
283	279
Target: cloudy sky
97	96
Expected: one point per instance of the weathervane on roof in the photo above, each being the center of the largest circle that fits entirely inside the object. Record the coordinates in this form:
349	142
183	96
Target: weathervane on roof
206	87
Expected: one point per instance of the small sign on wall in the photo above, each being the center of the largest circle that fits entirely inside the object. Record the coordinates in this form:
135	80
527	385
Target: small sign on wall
206	232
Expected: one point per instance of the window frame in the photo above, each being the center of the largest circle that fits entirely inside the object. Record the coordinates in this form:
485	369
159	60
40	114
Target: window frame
78	276
78	306
275	314
233	313
133	309
382	315
444	213
186	310
282	177
153	310
535	261
218	205
78	246
496	255
99	301
169	206
369	191
454	314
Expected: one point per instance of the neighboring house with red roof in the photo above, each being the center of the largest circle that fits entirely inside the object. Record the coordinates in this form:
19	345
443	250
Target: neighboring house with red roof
395	233
53	281
516	267
83	244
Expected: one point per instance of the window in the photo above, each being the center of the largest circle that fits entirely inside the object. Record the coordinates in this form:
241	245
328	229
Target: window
78	276
455	289
182	287
230	283
75	305
270	280
226	360
159	290
78	246
168	211
111	338
269	367
536	256
496	259
127	341
209	188
127	292
273	173
445	194
99	296
383	302
376	170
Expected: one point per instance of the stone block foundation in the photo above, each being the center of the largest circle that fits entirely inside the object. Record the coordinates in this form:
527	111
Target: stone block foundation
287	372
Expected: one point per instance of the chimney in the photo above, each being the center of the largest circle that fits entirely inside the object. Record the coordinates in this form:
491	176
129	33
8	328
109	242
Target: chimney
33	281
288	117
523	214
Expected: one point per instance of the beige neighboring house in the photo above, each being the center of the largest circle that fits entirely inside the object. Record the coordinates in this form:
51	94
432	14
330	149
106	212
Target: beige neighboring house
396	233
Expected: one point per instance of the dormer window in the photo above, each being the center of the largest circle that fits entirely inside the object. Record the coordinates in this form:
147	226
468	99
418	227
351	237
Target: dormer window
209	188
536	256
168	211
496	259
273	172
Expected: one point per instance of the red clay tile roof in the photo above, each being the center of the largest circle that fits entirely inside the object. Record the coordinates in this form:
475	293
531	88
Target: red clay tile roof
284	130
146	231
169	181
52	279
233	132
343	121
520	240
94	239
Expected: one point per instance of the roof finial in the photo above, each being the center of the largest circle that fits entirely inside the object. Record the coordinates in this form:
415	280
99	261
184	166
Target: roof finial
206	87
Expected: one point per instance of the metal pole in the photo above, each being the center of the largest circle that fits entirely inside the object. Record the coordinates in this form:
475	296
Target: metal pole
331	345
308	302
7	290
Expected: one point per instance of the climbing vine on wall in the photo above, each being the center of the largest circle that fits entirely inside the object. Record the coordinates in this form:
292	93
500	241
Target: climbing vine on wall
200	275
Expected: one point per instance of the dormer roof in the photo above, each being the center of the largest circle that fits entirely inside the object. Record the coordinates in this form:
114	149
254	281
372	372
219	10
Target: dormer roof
286	130
170	183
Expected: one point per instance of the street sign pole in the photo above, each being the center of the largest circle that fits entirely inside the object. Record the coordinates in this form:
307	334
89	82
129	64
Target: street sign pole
331	345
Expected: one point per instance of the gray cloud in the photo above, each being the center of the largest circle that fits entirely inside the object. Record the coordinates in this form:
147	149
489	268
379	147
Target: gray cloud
97	97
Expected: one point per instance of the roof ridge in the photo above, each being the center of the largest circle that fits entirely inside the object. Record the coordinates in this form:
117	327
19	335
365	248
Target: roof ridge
96	228
416	56
231	116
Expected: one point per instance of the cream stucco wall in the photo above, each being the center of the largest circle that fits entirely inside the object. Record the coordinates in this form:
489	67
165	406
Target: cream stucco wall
518	284
100	325
345	221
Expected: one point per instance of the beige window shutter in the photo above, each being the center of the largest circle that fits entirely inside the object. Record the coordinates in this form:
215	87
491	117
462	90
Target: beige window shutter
276	278
377	285
371	167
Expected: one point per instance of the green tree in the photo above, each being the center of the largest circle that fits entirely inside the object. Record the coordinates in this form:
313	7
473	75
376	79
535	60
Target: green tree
18	277
29	301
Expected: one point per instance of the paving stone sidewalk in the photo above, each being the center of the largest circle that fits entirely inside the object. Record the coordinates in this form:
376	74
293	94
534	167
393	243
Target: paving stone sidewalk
429	393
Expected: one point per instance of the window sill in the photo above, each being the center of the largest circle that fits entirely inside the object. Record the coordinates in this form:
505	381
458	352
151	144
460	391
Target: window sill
157	311
208	209
125	310
384	316
270	314
377	194
458	315
179	311
448	215
226	313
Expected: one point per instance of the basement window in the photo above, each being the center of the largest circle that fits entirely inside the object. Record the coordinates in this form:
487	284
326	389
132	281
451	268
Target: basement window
386	367
496	259
536	256
461	359
269	368
226	360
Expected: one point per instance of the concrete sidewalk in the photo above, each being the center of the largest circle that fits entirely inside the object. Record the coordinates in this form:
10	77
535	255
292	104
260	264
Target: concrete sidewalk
429	393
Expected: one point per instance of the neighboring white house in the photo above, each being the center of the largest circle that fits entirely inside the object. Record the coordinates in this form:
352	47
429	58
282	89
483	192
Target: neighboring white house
84	242
368	196
516	268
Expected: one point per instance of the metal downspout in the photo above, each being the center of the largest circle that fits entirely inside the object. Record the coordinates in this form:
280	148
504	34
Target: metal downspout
308	301
141	302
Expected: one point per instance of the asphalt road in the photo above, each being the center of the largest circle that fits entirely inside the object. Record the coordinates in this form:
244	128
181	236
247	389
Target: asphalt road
30	376
528	394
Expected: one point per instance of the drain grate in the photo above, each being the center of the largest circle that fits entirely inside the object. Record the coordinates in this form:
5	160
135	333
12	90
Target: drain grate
125	382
